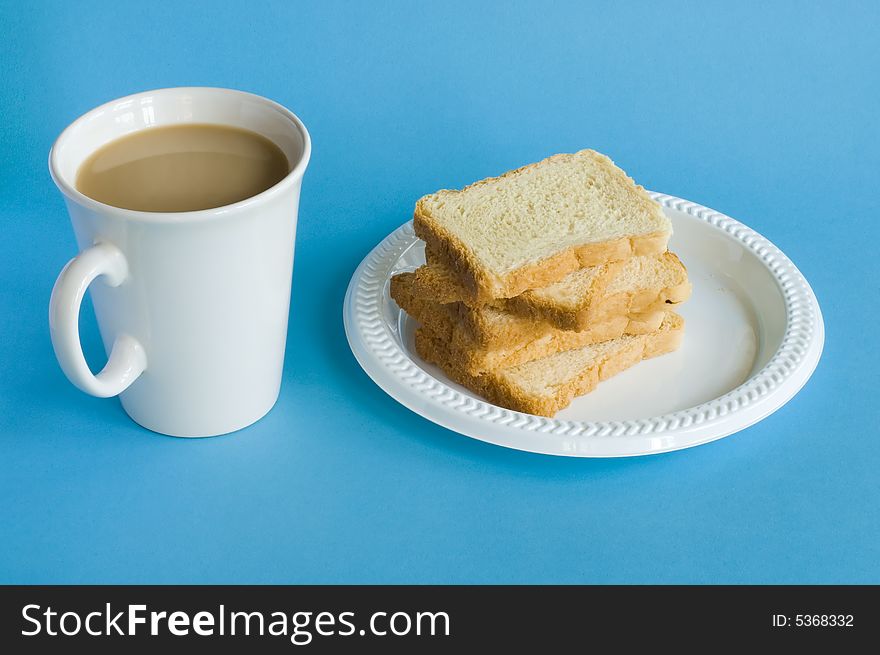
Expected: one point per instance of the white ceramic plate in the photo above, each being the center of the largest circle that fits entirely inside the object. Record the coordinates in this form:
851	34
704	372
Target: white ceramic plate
753	337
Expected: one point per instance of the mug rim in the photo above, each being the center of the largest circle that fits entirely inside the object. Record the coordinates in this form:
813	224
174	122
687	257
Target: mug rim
295	174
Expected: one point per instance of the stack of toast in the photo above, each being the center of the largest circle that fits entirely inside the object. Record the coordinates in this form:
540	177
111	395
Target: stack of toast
544	281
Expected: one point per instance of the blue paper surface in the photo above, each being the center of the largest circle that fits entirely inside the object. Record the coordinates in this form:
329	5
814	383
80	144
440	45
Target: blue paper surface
766	111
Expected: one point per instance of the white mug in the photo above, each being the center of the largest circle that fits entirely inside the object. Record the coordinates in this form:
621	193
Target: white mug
192	306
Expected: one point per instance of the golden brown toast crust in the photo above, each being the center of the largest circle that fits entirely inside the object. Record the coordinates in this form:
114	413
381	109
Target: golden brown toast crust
595	306
499	391
479	287
515	346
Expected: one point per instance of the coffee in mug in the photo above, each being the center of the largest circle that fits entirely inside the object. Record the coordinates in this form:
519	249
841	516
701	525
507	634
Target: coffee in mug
182	168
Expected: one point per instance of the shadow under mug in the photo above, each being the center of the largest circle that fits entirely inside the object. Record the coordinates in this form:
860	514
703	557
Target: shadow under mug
192	306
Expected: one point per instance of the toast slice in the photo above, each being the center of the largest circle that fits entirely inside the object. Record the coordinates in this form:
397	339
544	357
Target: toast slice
533	226
581	299
636	285
545	386
517	340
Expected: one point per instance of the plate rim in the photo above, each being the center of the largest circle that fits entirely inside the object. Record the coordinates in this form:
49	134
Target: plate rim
393	369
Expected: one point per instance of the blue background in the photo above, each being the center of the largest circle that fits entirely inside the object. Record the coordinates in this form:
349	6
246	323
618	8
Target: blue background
766	111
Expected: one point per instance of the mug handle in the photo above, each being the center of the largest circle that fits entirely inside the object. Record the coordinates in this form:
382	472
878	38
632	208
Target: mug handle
127	357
